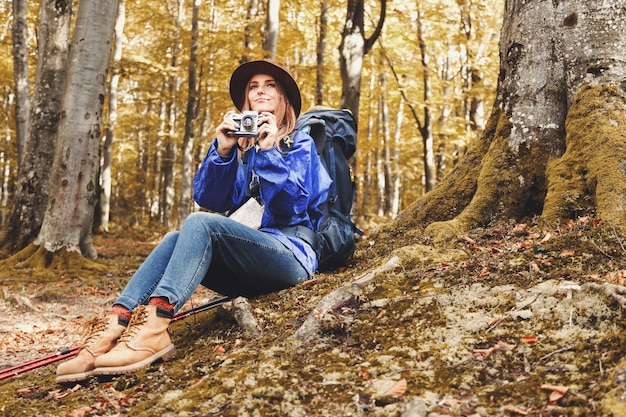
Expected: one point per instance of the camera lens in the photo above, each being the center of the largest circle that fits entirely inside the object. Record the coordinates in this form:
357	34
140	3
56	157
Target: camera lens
248	122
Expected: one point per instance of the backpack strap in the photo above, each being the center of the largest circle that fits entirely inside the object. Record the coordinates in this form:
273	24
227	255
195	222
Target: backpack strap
305	234
329	149
253	185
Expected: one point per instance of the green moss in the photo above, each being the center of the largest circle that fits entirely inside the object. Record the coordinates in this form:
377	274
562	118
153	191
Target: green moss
589	177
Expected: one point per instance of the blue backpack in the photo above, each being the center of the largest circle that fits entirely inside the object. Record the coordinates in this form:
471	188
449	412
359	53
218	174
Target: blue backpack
334	132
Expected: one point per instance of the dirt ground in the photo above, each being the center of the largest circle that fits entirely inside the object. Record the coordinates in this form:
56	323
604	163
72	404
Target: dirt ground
508	320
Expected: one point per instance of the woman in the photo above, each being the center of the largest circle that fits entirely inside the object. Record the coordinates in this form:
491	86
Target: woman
279	168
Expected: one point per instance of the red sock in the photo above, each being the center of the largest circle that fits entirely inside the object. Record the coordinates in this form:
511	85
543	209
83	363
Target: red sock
161	302
122	312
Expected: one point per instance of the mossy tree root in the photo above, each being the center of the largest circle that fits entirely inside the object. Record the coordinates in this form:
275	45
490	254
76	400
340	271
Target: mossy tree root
591	174
38	258
508	184
337	298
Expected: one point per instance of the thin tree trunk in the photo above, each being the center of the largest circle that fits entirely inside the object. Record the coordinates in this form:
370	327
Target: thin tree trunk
380	156
430	169
70	210
5	167
386	134
321	47
20	74
186	189
354	46
107	148
249	34
395	162
271	29
366	177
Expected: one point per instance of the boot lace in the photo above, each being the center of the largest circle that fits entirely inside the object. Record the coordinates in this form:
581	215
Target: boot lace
92	329
139	317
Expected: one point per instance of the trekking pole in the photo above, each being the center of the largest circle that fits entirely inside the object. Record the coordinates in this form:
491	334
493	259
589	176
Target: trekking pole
69	352
38	363
204	307
34	363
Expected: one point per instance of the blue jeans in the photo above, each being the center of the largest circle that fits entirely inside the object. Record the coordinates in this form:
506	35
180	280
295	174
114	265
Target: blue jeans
217	252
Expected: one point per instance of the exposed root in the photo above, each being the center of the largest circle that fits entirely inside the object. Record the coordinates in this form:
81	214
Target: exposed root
41	262
241	311
337	298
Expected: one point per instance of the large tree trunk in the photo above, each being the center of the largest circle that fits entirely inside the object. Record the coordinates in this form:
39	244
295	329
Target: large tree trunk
561	89
31	196
70	210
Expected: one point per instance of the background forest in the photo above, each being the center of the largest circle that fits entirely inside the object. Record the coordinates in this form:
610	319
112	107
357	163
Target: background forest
426	84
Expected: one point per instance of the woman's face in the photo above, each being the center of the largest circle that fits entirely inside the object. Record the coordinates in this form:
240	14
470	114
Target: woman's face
263	93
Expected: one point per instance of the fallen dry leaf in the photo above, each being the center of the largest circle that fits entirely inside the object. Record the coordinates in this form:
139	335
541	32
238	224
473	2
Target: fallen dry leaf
467	239
557	392
485	272
398	389
569	223
504	345
495	320
80	412
529	339
547	237
483	352
558	388
515	410
489	351
22	391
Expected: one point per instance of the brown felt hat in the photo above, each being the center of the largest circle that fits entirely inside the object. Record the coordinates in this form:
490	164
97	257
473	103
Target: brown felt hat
278	70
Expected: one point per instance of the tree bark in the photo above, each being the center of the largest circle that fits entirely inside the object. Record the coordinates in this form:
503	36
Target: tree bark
554	143
249	31
31	196
425	128
20	74
395	162
321	47
354	46
109	136
187	170
271	28
70	210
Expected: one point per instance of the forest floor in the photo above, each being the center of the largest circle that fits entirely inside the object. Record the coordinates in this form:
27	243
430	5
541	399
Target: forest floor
508	320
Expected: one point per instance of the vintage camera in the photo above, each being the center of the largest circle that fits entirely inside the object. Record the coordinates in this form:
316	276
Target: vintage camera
247	124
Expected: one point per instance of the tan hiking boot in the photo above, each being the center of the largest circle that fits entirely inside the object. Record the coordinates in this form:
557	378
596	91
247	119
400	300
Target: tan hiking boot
146	339
100	335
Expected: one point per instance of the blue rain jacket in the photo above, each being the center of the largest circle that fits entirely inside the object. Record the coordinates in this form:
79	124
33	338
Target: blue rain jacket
291	187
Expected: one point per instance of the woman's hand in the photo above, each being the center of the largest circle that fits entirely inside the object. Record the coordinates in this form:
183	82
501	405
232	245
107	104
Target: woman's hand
226	141
268	131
